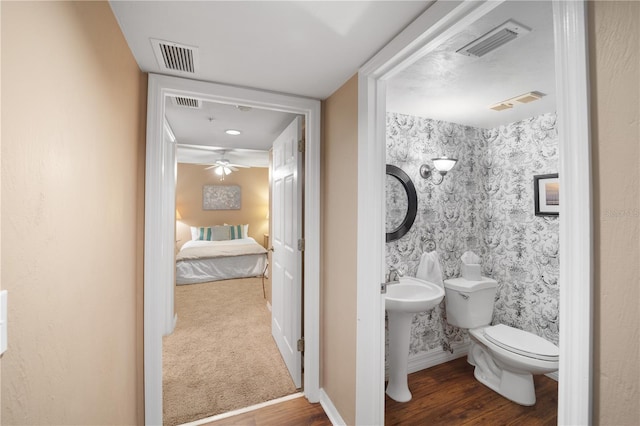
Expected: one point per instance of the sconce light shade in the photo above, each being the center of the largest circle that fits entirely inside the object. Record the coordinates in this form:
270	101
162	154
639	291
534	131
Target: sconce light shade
441	165
444	164
178	215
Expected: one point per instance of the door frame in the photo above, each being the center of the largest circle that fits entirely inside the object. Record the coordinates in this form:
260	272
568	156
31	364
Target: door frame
159	241
438	22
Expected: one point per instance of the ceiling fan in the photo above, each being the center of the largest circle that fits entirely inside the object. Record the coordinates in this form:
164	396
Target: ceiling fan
224	167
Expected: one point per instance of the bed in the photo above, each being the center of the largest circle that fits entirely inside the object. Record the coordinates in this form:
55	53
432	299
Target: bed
201	261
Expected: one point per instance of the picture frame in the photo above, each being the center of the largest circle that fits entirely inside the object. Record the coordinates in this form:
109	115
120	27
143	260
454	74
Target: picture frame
546	194
221	197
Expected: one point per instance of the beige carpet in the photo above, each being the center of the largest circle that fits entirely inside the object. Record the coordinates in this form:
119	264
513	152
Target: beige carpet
221	356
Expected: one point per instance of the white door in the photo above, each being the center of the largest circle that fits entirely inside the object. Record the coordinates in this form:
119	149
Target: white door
286	230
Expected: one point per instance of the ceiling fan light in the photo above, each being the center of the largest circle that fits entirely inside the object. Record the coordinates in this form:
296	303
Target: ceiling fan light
444	164
218	171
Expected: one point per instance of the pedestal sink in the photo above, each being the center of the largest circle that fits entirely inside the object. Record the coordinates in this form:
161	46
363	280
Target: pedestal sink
403	300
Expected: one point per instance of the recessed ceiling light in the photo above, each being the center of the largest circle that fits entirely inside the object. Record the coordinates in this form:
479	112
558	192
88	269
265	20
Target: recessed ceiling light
233	132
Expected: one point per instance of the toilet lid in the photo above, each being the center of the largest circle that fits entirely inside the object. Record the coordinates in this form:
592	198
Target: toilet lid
522	342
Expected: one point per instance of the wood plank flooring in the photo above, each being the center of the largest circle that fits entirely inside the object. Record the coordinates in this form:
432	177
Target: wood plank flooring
446	394
296	412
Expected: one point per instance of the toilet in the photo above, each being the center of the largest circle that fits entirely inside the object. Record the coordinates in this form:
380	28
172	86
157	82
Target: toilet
505	358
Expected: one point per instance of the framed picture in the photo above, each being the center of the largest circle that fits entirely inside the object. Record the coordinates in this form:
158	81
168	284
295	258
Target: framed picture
221	197
546	194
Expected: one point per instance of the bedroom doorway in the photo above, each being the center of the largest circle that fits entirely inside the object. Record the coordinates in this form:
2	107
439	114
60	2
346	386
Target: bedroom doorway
160	219
234	342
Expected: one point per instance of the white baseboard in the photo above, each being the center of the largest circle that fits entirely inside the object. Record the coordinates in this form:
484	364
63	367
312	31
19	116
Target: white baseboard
436	357
330	409
431	359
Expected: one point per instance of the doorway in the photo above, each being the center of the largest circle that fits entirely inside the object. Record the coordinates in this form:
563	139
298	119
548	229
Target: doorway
160	218
438	23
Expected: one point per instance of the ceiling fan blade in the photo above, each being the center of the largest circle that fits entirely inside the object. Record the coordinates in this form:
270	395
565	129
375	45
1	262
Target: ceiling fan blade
232	168
240	165
211	167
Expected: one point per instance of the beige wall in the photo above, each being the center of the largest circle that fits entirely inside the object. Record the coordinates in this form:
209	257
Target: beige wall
73	109
254	186
338	264
614	38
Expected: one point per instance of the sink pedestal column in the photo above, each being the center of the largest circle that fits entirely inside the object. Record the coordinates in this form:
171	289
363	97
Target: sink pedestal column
399	334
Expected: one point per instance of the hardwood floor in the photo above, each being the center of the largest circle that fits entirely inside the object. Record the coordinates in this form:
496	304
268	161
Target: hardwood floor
446	394
296	412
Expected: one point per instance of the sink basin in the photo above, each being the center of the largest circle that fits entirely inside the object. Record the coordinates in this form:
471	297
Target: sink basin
402	301
412	295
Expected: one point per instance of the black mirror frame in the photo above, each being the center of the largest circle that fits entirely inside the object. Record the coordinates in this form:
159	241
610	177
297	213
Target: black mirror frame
412	199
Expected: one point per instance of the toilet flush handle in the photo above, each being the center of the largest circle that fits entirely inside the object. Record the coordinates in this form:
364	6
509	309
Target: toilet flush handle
465	296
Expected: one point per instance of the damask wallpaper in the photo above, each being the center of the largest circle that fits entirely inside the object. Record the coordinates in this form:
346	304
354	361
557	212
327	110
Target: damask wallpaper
485	205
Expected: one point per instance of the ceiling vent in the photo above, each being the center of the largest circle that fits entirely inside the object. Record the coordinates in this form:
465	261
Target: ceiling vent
185	102
175	57
494	39
523	99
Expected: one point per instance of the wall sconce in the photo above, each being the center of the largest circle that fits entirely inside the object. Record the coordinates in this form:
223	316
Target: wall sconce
178	215
441	165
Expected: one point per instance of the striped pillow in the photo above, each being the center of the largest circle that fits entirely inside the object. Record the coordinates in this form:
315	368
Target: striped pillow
242	230
213	233
236	232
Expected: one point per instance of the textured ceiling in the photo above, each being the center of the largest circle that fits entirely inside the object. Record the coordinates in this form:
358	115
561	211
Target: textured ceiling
206	126
305	48
311	48
449	86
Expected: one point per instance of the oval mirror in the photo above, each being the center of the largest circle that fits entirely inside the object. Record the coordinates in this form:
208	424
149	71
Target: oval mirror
401	203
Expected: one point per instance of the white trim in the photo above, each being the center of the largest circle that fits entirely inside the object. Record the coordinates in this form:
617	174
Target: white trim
169	131
330	410
370	303
435	23
426	29
576	282
436	357
244	410
554	376
160	217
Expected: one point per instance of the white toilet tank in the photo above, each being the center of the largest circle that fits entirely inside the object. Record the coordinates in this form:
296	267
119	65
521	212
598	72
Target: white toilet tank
469	304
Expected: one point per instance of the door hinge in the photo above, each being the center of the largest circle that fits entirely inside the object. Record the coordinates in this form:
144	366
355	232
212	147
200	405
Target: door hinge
301	145
301	345
301	244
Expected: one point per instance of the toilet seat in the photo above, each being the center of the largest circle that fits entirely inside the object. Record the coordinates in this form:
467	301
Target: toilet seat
522	342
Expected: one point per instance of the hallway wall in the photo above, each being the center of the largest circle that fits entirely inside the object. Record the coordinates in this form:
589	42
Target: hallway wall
614	39
338	248
73	115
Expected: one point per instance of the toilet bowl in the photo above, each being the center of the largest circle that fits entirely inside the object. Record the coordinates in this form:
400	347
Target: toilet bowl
505	358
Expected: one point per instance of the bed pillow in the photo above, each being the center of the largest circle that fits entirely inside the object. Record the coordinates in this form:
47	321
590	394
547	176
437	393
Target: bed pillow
238	231
211	233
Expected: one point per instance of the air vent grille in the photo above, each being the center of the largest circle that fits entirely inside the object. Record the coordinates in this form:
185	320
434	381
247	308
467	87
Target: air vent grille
175	57
185	102
494	39
525	98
